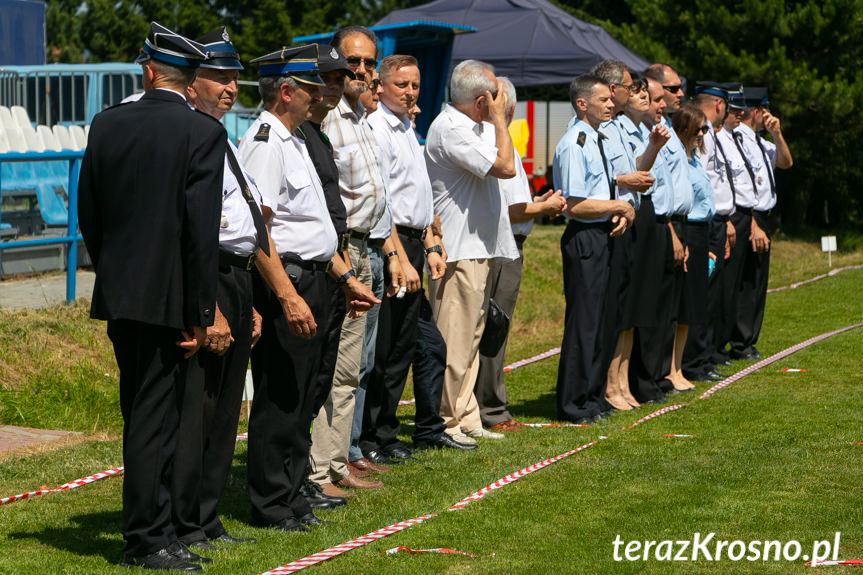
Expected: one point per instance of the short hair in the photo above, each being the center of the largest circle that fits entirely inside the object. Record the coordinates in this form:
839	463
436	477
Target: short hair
639	83
509	91
394	63
342	33
687	122
611	71
470	81
581	86
702	99
269	88
175	75
656	72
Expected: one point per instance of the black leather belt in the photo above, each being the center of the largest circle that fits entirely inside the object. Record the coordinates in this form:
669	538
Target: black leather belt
412	233
672	218
307	265
227	258
377	243
358	235
718	218
519	240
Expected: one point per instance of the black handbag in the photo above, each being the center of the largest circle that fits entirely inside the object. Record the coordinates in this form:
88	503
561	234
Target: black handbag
496	326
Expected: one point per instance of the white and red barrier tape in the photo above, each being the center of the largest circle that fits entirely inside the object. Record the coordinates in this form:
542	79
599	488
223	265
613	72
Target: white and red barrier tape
555	425
655	414
337	550
65	487
773	358
395	550
410	401
546	354
833	563
831	273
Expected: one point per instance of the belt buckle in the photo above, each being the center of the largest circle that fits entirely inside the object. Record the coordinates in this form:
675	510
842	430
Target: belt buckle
250	261
423	233
328	266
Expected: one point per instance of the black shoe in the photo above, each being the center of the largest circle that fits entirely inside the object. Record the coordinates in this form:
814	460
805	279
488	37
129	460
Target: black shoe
378	458
443	441
750	355
398	452
180	551
713	375
583	421
203	545
229	540
162	560
316	498
311	519
290	524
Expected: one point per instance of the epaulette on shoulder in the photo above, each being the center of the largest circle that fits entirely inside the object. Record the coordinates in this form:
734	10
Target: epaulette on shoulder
263	134
582	137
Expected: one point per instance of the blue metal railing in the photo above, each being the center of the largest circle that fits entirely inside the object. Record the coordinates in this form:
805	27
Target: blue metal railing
71	238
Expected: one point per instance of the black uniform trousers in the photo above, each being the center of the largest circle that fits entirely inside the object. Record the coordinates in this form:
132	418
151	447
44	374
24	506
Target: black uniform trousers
752	294
394	351
152	376
718	232
429	365
696	353
208	425
285	371
732	276
580	377
650	345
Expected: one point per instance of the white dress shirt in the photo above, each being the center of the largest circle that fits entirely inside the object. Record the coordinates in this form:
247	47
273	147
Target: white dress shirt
763	170
237	227
744	192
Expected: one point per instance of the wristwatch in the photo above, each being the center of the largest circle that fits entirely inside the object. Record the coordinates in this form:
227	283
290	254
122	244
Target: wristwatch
345	277
436	249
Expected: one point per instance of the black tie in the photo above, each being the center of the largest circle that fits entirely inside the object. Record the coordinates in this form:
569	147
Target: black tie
767	163
612	193
738	137
260	227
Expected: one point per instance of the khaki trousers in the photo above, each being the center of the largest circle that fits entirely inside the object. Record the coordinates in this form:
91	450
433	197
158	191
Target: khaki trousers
459	301
331	430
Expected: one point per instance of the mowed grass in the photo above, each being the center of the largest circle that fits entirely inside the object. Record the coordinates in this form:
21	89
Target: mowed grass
772	458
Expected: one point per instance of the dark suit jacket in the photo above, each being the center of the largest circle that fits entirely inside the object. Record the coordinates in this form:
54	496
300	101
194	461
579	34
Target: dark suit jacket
149	204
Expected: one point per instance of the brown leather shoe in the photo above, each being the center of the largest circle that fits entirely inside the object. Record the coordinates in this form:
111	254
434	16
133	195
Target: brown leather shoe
366	465
510	425
357	483
356	471
331	490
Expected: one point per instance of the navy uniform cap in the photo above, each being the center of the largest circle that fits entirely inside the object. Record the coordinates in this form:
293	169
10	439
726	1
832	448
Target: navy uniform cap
299	63
331	60
736	98
221	54
167	46
756	97
712	88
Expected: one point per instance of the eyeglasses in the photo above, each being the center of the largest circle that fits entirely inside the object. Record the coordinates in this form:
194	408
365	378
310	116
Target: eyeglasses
355	61
673	89
628	88
375	84
704	129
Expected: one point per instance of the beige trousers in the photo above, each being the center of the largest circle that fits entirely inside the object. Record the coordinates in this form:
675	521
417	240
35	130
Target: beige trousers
459	301
331	430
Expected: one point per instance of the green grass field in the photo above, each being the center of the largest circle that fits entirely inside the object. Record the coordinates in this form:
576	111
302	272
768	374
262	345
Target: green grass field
772	458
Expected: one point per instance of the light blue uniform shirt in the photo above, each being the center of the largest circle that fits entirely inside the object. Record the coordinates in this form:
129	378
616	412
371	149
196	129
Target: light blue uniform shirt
675	156
579	171
619	154
661	192
702	194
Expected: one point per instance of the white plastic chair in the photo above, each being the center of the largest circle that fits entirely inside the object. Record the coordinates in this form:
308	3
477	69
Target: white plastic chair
21	117
87	131
4	144
33	140
49	140
6	119
15	138
64	138
78	136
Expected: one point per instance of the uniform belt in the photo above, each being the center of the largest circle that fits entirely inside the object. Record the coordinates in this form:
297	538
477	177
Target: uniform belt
358	235
747	211
519	240
307	265
377	243
671	218
227	258
718	218
413	233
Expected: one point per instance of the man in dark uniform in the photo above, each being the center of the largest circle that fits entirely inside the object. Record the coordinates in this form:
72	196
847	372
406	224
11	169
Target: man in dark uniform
203	462
149	213
286	361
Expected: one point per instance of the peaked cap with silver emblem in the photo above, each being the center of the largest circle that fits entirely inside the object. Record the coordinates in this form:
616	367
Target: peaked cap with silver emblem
299	63
331	60
221	54
167	46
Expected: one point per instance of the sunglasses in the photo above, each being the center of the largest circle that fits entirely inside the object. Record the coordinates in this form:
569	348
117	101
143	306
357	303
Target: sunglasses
704	129
375	84
355	61
673	89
